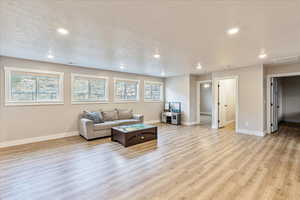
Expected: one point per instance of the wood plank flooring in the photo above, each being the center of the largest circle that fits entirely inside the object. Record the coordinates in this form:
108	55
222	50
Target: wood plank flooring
185	163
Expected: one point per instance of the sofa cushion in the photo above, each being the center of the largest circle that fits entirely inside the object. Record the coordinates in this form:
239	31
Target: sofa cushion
110	115
127	121
124	114
105	125
95	116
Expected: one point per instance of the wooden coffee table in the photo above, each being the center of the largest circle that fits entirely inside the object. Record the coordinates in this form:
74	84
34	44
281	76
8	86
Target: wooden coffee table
129	135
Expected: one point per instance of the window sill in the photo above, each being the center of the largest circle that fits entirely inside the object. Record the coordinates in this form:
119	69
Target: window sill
89	102
136	101
153	101
33	104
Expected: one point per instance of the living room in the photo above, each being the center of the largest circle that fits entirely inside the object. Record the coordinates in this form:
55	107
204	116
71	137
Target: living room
102	99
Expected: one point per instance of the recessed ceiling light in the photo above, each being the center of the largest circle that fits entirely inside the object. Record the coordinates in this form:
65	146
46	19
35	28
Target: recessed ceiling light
262	55
156	55
206	85
50	56
122	66
199	66
162	74
233	31
62	31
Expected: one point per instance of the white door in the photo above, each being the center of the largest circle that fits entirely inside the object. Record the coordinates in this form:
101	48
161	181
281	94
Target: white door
274	105
222	106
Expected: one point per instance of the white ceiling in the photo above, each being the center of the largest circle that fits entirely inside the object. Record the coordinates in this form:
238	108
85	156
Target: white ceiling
106	33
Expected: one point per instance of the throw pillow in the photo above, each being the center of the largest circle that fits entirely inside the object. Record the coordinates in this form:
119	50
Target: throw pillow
110	115
96	117
125	114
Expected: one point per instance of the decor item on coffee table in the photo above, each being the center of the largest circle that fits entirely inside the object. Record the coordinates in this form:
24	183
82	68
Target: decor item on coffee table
129	135
98	124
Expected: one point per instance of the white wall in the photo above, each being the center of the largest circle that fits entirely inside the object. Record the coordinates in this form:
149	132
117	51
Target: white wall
22	122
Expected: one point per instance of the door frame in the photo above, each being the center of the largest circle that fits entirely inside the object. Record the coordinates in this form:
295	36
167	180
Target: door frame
268	102
215	109
198	97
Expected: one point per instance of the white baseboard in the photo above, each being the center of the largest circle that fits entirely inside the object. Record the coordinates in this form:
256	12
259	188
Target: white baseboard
190	123
38	139
251	132
49	137
152	122
205	113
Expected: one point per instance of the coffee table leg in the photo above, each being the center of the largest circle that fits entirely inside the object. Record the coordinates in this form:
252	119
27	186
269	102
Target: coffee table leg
112	135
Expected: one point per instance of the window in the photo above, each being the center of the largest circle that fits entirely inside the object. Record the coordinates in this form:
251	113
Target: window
153	91
126	90
27	86
87	88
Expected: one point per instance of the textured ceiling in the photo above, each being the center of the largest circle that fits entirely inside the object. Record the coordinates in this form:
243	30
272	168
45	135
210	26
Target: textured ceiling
104	34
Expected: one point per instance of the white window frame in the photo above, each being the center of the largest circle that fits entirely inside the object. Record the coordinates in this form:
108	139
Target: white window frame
8	102
161	91
106	100
126	101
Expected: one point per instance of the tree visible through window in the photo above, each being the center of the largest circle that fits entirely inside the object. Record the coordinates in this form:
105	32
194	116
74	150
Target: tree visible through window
89	88
153	91
30	87
126	90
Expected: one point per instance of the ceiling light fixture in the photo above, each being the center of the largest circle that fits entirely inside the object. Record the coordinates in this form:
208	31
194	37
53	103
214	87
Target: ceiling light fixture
263	55
233	31
162	74
156	56
199	66
50	56
122	66
62	31
206	85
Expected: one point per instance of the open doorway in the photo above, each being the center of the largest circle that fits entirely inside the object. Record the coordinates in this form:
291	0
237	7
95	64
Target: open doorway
204	102
284	102
226	104
225	107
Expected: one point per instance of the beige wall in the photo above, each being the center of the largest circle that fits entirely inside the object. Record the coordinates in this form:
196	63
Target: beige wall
177	89
282	68
20	122
250	97
193	99
183	89
204	77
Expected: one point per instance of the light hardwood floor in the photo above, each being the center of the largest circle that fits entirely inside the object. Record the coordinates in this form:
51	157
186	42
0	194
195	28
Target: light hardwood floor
186	163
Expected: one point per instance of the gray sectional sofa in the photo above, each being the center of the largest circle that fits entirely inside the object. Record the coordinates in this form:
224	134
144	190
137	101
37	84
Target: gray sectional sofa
98	124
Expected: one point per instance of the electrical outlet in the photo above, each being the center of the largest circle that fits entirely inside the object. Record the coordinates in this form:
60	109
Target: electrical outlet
247	124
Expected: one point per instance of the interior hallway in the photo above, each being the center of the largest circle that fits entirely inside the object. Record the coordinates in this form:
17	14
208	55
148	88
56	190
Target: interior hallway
205	119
